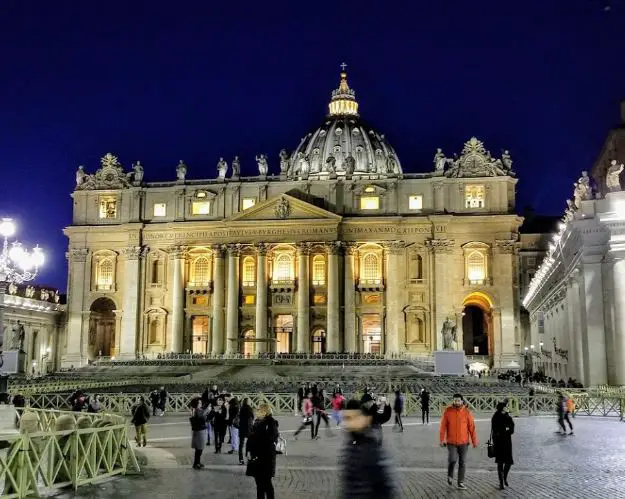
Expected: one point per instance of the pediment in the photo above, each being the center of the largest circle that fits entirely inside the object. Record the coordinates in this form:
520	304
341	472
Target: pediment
284	207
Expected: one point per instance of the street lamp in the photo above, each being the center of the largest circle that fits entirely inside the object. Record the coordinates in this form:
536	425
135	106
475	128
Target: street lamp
17	264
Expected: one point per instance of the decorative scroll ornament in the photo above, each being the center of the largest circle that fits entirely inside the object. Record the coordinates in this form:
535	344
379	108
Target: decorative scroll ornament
612	179
440	245
282	209
110	175
476	161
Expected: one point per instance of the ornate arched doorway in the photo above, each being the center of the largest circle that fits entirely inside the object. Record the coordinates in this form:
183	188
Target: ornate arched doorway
477	324
318	338
102	328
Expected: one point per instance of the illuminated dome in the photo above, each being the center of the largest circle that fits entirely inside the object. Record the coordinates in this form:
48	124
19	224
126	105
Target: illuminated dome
344	144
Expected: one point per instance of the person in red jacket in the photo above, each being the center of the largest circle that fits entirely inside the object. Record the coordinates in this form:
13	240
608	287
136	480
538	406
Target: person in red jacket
307	410
338	401
457	429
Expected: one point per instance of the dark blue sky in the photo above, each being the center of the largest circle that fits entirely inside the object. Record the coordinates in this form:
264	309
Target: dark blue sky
195	80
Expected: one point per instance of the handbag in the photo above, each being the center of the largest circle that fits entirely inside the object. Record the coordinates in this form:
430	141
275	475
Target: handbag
281	446
252	467
490	447
307	420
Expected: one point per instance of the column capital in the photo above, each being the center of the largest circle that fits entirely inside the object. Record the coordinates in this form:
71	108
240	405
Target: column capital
440	245
304	248
78	255
234	249
132	252
177	252
333	247
395	247
218	250
261	248
350	248
505	246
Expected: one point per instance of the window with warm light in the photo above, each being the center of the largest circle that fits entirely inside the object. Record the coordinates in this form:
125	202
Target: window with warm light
370	203
474	196
104	276
283	268
201	271
415	202
201	207
108	207
476	267
319	270
160	209
371	268
369	189
248	203
249	271
249	300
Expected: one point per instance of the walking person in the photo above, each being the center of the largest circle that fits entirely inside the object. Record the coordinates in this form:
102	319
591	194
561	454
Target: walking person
154	400
261	447
398	407
301	393
162	400
502	429
424	396
318	401
198	430
365	468
456	430
337	405
563	414
219	421
246	420
234	423
140	417
307	410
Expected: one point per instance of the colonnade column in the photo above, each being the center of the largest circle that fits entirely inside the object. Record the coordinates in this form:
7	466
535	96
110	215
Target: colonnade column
333	333
130	307
350	301
618	297
261	298
595	358
78	277
177	316
575	317
303	298
232	308
217	330
394	304
440	250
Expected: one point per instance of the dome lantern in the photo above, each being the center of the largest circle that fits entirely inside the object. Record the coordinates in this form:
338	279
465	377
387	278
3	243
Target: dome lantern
343	101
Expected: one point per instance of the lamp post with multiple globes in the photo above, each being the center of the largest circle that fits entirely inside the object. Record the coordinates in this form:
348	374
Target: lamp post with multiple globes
17	265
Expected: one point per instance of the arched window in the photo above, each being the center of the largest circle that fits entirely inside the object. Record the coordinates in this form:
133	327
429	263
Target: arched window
249	271
319	270
155	326
201	271
105	274
416	267
476	266
370	268
283	268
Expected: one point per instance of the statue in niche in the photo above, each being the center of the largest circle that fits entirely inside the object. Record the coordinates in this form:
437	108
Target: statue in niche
19	334
12	288
506	160
222	169
380	162
449	335
284	162
613	176
330	166
30	292
392	167
93	325
44	294
80	176
57	297
236	167
583	190
137	170
181	171
304	166
263	166
350	165
440	160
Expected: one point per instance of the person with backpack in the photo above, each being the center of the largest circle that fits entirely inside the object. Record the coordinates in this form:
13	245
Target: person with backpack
261	447
398	407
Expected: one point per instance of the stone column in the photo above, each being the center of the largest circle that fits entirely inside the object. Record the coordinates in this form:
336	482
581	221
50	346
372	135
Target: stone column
333	332
394	330
177	315
303	298
78	284
618	295
261	298
441	250
497	348
595	358
575	320
130	307
217	329
187	344
459	330
232	308
349	289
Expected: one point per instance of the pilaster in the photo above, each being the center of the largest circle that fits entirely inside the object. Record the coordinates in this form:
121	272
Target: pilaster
130	304
349	290
261	298
303	298
77	280
394	291
441	250
217	329
232	308
333	332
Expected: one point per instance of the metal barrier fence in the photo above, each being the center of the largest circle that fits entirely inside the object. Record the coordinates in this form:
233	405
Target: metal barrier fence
56	450
286	403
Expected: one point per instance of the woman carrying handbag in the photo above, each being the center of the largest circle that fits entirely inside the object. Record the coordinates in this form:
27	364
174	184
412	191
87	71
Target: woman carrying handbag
500	443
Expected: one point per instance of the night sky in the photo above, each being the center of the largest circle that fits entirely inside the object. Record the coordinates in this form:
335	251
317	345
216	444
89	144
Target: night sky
163	81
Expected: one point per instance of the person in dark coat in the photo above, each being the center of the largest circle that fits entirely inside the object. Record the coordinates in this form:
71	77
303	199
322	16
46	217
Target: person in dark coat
154	398
140	416
424	396
246	420
162	400
220	424
398	407
261	446
366	470
502	428
198	430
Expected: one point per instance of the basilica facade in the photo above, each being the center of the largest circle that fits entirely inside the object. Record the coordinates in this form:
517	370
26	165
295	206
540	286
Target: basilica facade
332	248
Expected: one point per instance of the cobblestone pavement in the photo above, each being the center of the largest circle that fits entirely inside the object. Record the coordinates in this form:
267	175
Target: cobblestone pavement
591	463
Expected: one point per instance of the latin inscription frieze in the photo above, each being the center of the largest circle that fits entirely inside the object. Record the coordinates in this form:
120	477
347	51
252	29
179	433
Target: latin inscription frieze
233	233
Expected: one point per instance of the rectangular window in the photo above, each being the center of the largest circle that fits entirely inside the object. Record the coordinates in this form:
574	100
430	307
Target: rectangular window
200	300
319	299
370	203
474	196
160	209
249	300
108	207
201	208
415	202
248	203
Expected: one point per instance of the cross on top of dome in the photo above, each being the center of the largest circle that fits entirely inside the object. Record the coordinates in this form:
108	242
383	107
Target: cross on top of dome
343	101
